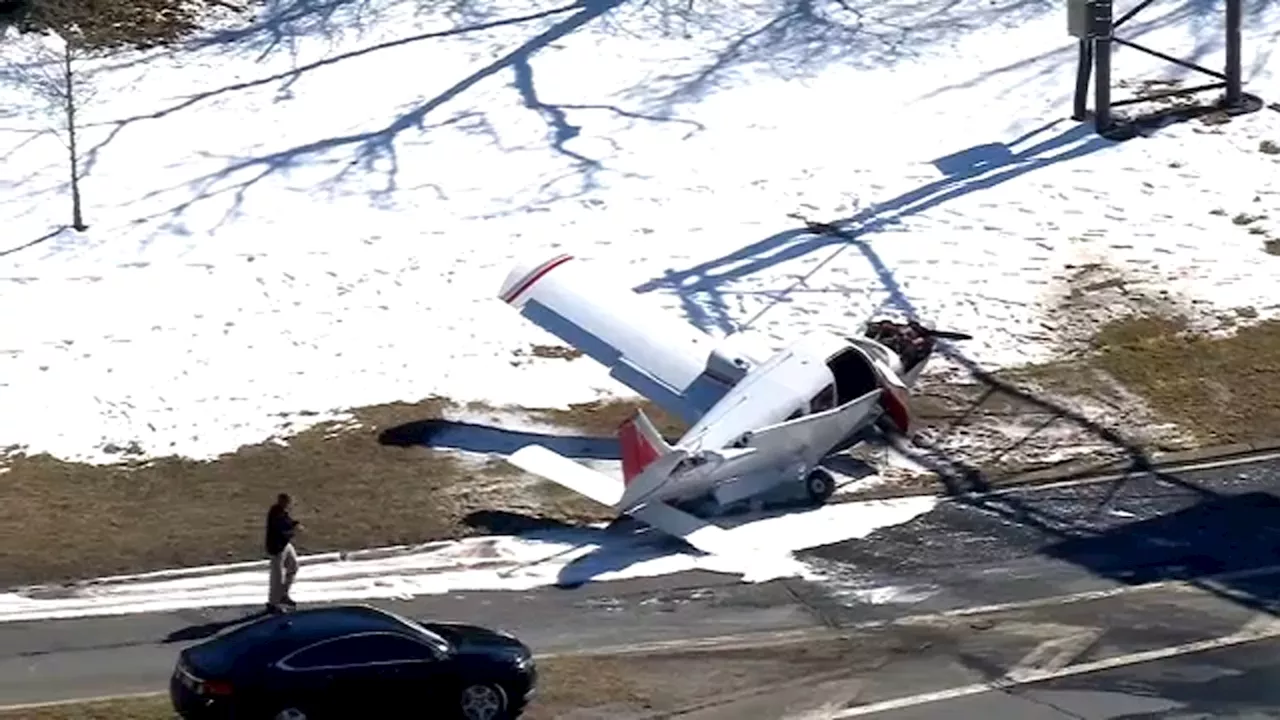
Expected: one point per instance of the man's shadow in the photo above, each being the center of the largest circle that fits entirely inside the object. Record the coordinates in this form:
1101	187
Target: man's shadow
209	629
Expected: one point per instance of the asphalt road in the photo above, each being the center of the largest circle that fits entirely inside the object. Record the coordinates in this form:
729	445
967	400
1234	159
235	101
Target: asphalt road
1235	682
1016	547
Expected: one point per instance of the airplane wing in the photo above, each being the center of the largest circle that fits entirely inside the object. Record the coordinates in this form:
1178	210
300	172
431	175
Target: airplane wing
659	356
699	533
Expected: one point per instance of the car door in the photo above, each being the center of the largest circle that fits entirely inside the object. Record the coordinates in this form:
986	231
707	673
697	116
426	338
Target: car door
368	672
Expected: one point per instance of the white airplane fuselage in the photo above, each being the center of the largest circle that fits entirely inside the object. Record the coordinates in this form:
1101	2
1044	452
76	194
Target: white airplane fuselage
777	410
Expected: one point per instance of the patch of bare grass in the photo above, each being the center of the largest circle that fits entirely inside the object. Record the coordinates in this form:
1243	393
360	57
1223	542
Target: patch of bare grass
1220	388
65	520
603	417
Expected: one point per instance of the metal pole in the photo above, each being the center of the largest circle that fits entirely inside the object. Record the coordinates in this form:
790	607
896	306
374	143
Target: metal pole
1234	92
1083	69
1102	61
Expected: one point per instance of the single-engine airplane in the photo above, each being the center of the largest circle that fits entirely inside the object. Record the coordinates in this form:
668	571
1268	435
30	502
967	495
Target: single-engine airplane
755	423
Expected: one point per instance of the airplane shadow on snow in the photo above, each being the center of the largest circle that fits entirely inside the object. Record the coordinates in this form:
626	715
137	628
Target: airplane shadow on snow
619	545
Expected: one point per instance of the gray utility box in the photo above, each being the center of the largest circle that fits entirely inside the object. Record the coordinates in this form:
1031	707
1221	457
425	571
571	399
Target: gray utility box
1080	18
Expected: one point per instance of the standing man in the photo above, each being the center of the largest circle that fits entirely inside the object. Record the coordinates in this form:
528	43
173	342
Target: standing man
284	559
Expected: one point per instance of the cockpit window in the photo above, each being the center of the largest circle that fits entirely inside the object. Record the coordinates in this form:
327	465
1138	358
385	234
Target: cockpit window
824	400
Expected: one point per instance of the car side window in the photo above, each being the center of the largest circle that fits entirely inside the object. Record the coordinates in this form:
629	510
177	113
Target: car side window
359	650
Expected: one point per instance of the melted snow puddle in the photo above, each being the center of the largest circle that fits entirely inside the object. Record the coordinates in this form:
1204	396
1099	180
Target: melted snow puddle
474	564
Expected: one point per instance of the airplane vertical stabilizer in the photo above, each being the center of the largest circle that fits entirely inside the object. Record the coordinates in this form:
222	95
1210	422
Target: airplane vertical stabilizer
641	444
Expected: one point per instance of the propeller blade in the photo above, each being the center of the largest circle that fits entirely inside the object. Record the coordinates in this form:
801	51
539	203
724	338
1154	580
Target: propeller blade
948	335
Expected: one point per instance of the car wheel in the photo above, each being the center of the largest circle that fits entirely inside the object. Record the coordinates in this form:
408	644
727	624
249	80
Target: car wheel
483	702
819	485
290	714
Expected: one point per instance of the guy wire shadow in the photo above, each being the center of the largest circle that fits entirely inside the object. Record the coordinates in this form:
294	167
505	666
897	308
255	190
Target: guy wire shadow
1173	548
977	168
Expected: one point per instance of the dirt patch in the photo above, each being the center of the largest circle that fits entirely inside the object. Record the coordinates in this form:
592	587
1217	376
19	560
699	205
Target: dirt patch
603	417
1143	373
110	24
553	352
1271	246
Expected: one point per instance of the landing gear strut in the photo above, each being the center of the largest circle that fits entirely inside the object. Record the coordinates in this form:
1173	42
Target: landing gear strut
819	485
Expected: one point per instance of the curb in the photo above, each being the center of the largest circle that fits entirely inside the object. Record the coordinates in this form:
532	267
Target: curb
1071	471
1081	469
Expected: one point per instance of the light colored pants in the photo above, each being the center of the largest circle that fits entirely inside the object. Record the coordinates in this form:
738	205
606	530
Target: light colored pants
284	567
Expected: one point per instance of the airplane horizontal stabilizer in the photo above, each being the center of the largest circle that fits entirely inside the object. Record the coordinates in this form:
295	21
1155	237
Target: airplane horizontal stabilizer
699	533
559	469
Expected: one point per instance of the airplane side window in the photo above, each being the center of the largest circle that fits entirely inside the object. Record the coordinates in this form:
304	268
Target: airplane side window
824	400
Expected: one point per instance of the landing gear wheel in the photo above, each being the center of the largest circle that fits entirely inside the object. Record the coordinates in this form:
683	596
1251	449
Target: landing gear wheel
483	702
819	486
290	714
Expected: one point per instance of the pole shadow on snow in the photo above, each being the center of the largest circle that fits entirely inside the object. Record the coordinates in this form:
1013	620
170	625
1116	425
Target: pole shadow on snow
981	167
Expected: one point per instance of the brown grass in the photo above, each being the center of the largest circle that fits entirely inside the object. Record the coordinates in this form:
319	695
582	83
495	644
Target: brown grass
65	520
602	417
1224	389
62	520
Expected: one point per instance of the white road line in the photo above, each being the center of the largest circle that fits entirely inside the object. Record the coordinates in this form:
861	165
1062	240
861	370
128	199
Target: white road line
81	701
1262	627
1056	653
785	637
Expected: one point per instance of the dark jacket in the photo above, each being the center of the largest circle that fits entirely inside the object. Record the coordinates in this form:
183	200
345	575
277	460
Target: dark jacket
280	528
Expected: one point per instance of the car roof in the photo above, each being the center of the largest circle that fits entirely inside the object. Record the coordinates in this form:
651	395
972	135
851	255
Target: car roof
273	637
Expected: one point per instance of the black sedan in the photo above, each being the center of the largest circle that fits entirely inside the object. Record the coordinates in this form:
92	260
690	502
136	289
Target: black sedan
353	661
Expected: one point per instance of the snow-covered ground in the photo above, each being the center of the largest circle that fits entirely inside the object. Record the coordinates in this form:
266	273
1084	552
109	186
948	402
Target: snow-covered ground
312	210
565	557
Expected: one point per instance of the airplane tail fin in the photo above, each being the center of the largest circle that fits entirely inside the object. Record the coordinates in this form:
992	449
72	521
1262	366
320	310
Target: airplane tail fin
641	444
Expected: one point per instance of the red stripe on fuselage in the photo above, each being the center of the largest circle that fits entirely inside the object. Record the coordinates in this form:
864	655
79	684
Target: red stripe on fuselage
896	410
532	278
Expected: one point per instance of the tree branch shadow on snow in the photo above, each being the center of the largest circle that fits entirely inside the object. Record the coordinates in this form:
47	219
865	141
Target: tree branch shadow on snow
794	38
288	78
374	151
1207	23
701	287
32	243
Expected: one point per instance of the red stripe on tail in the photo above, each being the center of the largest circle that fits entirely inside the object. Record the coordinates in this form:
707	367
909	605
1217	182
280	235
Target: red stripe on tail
637	452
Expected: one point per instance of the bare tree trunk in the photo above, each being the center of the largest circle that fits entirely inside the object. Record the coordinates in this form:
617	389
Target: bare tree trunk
68	79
